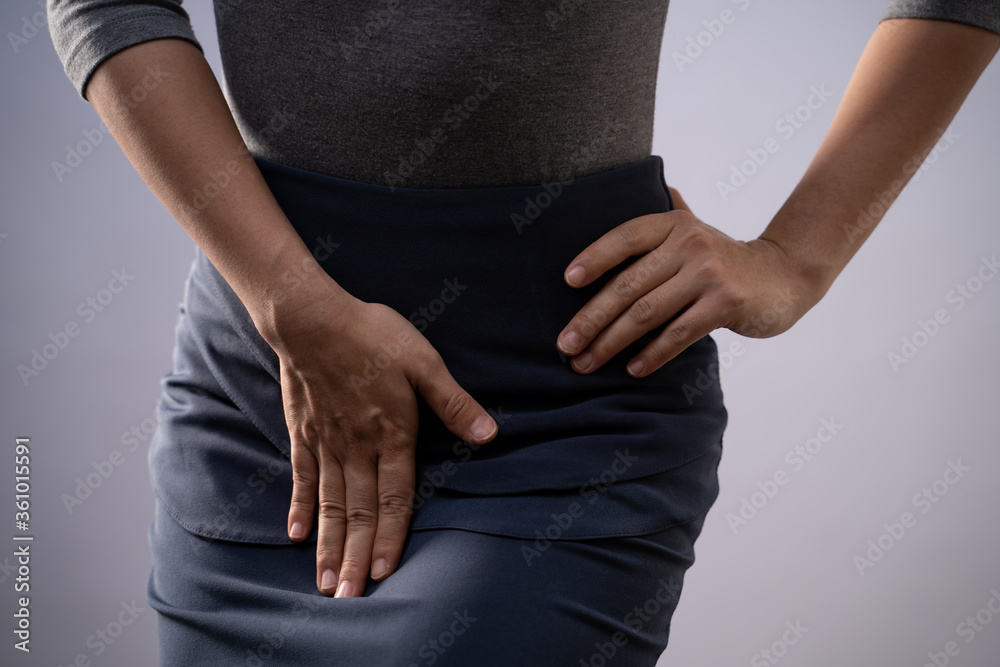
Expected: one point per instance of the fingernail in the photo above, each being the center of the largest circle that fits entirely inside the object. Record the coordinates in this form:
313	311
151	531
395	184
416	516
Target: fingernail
329	580
583	361
379	569
296	531
636	367
483	427
575	275
569	342
345	590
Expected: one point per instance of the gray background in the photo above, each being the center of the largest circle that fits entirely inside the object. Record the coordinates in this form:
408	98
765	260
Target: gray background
792	562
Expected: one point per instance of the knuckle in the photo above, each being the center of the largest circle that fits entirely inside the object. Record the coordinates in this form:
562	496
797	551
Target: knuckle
331	510
302	478
457	404
629	235
328	554
711	269
676	333
591	320
351	564
696	239
395	443
727	298
394	504
624	284
360	517
301	505
642	311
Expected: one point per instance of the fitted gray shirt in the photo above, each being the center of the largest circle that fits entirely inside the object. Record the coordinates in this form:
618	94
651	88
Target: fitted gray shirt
428	93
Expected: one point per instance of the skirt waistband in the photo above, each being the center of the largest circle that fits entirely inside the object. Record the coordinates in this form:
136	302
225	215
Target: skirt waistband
478	272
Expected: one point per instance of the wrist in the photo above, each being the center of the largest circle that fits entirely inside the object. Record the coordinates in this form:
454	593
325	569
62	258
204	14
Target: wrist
809	280
292	288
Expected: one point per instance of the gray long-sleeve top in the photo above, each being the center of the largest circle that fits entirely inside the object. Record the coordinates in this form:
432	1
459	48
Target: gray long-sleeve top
428	93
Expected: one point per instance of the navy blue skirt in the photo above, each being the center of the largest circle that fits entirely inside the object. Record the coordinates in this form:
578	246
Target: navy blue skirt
553	536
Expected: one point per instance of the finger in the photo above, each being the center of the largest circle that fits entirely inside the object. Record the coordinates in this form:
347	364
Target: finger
361	516
332	525
395	505
626	291
699	320
679	203
646	313
633	237
638	236
459	412
305	485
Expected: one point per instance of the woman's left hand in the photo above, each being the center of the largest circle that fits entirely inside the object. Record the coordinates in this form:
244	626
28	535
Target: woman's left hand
690	276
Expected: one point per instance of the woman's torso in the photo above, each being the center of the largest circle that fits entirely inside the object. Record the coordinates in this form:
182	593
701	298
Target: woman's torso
437	93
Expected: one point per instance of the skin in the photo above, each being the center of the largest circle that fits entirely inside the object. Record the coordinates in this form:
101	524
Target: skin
353	450
910	82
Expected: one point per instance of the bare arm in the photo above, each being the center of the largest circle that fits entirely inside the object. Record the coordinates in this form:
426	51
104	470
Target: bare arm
176	138
910	82
352	450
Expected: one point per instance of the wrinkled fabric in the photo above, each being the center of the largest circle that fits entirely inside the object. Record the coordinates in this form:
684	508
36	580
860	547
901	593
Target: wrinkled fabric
480	272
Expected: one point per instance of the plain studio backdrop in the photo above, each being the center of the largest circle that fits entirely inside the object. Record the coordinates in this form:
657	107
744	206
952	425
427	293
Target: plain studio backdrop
808	553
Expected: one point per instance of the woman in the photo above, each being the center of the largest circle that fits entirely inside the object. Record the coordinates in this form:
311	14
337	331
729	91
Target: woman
416	214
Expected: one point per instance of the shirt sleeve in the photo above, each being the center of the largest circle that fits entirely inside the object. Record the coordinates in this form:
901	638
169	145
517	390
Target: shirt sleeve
981	13
87	32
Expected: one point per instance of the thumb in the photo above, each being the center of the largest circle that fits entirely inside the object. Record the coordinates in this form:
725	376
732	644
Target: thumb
679	203
459	412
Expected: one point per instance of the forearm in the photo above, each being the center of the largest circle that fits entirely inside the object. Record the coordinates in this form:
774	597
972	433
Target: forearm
181	138
910	82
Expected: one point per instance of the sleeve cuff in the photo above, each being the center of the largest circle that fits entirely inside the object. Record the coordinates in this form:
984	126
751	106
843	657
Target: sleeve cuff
979	13
105	39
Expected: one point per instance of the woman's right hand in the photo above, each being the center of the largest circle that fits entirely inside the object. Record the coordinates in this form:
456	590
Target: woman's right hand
350	372
352	442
